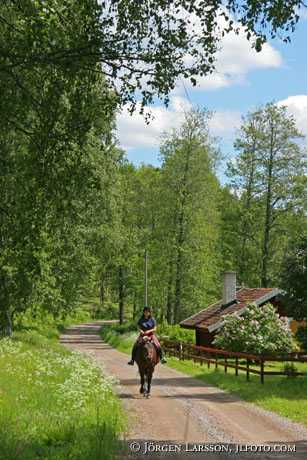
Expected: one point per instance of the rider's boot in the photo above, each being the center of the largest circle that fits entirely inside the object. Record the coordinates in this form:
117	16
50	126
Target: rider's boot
131	362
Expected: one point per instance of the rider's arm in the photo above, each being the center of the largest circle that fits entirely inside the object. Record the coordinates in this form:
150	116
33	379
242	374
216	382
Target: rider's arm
140	326
151	330
154	326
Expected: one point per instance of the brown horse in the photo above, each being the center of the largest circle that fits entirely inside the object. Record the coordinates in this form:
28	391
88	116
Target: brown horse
146	357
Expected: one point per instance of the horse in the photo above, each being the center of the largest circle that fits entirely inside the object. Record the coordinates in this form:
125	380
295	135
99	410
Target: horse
146	357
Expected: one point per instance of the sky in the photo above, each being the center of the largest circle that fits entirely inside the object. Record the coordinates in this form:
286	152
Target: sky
244	80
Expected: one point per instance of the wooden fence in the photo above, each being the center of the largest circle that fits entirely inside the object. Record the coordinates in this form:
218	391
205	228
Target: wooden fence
231	359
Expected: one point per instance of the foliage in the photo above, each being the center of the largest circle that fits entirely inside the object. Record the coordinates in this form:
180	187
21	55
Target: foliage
301	335
256	330
76	217
290	369
78	417
294	279
173	213
140	48
175	332
56	167
118	337
45	324
189	228
268	176
124	328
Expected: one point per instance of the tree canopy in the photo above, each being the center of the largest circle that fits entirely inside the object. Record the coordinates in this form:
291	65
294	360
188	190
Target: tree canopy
141	47
76	216
294	278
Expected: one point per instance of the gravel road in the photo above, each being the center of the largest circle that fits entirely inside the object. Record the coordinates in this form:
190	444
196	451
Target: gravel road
186	418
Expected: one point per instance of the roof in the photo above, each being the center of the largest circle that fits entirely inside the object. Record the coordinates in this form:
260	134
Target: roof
211	318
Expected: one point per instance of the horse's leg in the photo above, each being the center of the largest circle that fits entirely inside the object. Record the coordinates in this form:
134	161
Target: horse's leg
145	384
142	382
149	378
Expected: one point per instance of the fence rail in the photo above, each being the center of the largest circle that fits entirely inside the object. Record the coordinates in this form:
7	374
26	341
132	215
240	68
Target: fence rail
217	357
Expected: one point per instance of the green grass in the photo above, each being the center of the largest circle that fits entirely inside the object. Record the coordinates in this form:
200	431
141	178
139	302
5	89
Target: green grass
285	396
280	394
55	404
119	337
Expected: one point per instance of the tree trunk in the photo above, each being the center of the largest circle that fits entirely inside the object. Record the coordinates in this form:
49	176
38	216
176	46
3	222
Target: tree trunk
6	324
268	219
134	306
169	302
121	294
102	290
244	262
178	280
180	239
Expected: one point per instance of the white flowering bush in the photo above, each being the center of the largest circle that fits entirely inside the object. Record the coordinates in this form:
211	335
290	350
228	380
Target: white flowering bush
257	330
55	404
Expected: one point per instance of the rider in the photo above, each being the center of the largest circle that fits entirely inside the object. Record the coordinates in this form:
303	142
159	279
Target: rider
147	326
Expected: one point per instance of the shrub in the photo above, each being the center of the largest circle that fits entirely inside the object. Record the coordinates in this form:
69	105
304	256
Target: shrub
176	333
301	335
124	328
290	370
257	330
166	330
36	319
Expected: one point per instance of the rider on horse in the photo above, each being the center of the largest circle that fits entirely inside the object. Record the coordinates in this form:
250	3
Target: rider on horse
147	327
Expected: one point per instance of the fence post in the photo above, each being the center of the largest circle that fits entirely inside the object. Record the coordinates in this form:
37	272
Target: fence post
236	365
200	355
247	369
225	365
262	370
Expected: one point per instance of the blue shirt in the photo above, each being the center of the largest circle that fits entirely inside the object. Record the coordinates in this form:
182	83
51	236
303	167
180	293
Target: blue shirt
146	323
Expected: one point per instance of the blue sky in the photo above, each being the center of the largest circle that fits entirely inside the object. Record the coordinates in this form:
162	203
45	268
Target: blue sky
244	80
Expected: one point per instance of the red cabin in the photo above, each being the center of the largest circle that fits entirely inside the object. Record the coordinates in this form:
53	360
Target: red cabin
208	321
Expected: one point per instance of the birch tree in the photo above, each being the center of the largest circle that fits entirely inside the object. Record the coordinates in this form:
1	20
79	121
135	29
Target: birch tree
268	171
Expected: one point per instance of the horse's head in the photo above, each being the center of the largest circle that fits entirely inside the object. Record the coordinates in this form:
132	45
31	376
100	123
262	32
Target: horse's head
146	349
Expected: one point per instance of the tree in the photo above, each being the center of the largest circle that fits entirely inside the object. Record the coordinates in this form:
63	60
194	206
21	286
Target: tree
256	330
189	221
48	180
245	174
294	279
268	173
230	245
140	47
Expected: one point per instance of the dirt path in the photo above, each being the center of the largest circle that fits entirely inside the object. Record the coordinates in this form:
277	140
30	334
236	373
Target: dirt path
184	410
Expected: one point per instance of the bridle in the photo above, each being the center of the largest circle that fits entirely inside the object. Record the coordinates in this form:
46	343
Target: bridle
145	340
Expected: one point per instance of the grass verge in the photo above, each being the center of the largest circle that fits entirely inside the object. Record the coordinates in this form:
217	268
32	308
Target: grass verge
55	404
120	337
280	394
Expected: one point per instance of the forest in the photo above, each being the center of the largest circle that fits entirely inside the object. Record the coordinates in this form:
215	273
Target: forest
76	217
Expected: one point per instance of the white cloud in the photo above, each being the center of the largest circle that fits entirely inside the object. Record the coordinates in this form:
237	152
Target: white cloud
297	106
225	122
303	12
236	58
133	132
